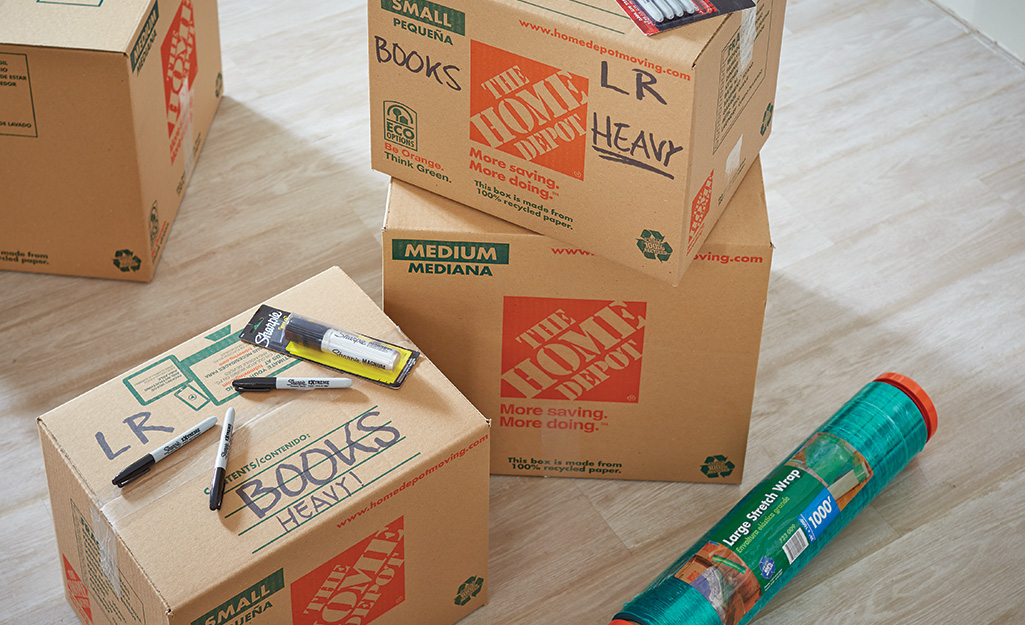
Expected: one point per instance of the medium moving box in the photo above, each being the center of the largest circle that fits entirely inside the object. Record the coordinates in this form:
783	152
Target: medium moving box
361	505
586	368
104	107
562	117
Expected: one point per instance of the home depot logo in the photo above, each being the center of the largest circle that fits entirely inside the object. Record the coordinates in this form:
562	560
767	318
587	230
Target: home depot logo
356	586
179	61
528	109
589	350
699	208
77	592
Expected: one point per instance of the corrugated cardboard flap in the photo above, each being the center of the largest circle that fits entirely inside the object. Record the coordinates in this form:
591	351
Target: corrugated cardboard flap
103	25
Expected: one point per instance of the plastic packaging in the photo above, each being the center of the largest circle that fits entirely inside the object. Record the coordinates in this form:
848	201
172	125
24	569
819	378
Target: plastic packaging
778	527
328	345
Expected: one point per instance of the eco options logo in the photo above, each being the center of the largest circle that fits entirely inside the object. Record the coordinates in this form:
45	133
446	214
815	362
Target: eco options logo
180	67
356	586
576	349
400	124
528	109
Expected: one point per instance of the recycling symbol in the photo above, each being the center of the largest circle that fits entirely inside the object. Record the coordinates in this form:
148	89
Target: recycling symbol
767	118
717	466
469	589
652	244
126	261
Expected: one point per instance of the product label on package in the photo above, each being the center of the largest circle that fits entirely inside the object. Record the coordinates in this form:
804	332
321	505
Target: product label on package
432	14
205	376
356	586
739	75
466	258
765	534
17	111
246	605
144	42
588	350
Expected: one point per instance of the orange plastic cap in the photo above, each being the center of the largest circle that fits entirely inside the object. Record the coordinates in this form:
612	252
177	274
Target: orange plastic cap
620	621
917	395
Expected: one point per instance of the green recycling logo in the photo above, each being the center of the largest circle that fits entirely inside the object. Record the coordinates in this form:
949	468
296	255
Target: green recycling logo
126	261
717	466
767	118
652	244
469	589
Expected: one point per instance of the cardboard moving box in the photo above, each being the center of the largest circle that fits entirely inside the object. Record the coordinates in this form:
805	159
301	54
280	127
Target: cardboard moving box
562	117
361	505
586	368
104	107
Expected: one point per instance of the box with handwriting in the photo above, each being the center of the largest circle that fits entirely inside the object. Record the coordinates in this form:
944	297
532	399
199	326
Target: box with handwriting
586	368
565	119
365	504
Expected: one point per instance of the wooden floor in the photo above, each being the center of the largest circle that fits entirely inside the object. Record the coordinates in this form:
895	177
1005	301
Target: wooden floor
896	183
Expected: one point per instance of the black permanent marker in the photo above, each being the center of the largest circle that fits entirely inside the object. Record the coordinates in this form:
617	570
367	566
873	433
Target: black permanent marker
243	385
142	465
217	486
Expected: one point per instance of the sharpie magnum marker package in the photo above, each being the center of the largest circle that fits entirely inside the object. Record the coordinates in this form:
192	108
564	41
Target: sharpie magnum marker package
655	16
300	336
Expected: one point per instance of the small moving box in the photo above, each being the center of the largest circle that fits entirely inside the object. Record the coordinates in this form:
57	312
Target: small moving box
562	117
586	368
359	505
104	107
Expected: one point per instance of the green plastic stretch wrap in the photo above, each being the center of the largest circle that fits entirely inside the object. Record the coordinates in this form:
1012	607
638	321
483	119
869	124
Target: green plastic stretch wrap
777	528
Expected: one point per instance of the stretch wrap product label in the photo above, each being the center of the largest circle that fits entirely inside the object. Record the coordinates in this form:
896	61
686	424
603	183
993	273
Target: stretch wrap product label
751	548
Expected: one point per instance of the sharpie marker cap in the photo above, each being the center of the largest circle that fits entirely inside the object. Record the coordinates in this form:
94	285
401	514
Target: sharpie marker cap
305	331
918	395
133	471
261	385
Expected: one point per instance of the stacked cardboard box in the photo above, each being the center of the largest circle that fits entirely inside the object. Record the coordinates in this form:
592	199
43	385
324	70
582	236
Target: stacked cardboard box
357	506
584	337
104	107
562	117
585	367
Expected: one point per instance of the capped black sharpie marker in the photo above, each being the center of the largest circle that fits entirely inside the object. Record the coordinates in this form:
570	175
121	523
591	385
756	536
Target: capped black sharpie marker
142	465
217	486
243	385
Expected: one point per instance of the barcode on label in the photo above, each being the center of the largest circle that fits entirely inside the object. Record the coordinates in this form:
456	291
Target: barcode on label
796	545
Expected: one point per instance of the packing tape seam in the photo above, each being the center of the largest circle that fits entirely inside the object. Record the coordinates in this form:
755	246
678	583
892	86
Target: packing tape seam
118	508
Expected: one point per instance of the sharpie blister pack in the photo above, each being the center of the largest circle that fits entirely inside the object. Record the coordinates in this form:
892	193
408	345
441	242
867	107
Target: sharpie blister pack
324	344
655	16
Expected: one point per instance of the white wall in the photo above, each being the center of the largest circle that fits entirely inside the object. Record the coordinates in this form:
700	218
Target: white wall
1001	20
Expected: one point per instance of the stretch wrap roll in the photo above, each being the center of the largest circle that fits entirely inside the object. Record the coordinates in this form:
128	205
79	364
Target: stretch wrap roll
774	531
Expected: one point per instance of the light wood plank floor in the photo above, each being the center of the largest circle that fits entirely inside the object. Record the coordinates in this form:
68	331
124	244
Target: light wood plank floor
896	181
